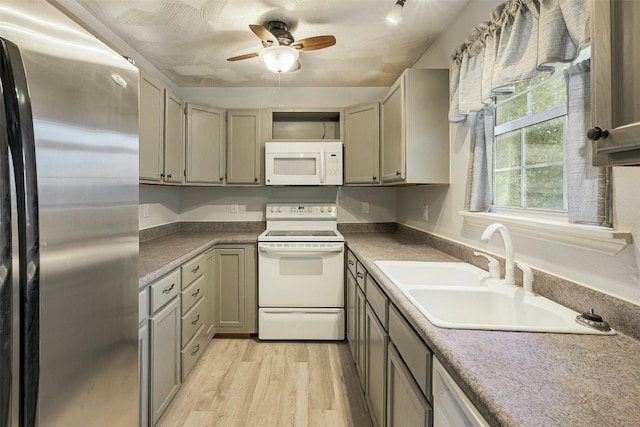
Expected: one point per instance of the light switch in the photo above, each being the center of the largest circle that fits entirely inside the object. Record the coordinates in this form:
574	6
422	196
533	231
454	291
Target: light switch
234	207
365	207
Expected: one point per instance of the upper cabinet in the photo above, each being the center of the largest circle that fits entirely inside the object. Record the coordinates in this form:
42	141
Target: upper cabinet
362	144
161	132
415	130
244	144
616	92
205	148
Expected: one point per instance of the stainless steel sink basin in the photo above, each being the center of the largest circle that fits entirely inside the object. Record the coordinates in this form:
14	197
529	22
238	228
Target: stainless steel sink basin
433	273
494	307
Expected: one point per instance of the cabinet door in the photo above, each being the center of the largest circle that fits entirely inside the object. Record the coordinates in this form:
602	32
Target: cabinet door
361	337
616	93
352	319
235	290
362	144
143	374
210	294
376	364
205	145
243	147
165	357
173	137
151	128
393	133
406	405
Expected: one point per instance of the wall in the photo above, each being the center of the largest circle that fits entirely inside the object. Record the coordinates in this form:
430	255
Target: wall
616	275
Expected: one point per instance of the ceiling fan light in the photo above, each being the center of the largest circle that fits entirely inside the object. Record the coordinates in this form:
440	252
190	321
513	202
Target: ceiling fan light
395	16
279	59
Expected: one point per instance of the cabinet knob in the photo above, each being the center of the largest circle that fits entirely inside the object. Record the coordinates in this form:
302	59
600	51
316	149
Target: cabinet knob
596	133
255	179
221	178
169	176
374	178
161	175
398	173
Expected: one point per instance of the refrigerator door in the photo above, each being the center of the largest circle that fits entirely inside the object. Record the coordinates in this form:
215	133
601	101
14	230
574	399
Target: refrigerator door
85	117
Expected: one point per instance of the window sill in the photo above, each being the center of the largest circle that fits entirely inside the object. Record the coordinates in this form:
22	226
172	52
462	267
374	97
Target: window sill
598	239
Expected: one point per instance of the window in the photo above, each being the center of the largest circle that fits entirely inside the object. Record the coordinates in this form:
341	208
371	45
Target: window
528	169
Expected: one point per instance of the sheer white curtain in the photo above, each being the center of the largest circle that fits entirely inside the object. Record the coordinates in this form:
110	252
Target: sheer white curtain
522	40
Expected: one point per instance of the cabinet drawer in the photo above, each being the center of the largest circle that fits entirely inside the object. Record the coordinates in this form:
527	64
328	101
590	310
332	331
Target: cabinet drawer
192	270
192	294
192	320
192	351
351	263
164	290
378	301
361	274
143	305
414	352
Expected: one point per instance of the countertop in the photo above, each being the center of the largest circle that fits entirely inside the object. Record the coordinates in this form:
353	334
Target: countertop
517	378
513	378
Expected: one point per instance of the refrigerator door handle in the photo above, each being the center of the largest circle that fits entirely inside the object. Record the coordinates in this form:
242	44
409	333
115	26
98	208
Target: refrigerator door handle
6	274
22	144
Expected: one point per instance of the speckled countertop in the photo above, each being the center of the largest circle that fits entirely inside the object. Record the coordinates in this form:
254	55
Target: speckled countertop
513	378
159	256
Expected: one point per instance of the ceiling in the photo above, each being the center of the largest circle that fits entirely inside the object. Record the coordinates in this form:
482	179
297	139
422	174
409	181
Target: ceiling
189	40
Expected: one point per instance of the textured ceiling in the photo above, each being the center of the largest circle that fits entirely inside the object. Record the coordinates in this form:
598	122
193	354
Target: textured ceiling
189	40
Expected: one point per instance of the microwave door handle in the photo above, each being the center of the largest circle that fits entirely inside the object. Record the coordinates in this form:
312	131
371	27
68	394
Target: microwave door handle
322	166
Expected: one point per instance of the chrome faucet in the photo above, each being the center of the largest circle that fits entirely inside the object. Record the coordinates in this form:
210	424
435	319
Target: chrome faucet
509	277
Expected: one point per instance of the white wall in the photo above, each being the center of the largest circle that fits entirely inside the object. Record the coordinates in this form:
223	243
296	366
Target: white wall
162	204
616	275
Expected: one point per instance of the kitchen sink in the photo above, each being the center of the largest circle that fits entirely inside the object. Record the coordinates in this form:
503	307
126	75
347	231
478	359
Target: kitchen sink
494	307
433	273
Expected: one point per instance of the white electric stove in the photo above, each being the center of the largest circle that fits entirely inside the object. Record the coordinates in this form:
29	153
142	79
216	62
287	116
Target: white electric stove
301	274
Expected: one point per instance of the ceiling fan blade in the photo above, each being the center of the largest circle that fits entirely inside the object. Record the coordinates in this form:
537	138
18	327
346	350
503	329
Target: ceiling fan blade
314	43
240	57
296	67
264	34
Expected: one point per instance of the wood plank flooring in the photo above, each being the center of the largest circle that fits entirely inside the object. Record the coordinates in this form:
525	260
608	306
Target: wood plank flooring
244	382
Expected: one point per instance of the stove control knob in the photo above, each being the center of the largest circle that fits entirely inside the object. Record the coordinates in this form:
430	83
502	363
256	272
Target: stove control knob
279	210
272	209
323	209
329	209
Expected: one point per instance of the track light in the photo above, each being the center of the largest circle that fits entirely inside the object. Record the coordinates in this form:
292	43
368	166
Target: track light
395	16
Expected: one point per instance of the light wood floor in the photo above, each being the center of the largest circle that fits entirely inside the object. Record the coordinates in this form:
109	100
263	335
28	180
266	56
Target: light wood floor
243	382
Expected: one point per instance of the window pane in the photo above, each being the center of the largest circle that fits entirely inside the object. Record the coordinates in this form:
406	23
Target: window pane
543	142
511	110
508	150
507	189
550	94
544	188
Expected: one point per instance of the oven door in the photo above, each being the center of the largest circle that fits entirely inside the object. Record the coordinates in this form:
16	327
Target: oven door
301	274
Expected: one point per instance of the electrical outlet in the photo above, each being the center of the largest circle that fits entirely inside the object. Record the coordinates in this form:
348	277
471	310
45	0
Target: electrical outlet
365	207
145	210
425	212
234	207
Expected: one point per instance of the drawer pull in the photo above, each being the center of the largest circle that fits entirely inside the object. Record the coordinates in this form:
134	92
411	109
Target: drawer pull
196	350
195	270
351	262
169	289
196	293
360	275
196	320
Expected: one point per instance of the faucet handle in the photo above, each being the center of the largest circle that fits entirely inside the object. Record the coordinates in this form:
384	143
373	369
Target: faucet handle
494	265
527	278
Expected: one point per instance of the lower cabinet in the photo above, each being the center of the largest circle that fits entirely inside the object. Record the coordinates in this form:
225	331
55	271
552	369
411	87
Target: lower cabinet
165	357
351	315
376	367
361	337
210	295
143	373
406	405
235	289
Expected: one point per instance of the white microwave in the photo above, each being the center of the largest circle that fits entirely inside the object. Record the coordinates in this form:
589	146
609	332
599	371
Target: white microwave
303	163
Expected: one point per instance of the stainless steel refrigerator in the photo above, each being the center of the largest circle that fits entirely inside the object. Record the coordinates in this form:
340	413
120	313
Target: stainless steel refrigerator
68	223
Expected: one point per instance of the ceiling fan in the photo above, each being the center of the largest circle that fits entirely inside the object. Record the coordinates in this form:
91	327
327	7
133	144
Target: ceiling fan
280	53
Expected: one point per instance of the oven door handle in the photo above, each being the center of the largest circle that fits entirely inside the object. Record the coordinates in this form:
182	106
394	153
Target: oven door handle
300	250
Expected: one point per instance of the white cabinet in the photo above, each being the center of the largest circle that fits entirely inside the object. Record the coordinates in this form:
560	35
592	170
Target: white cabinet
165	357
616	93
205	148
193	310
362	144
415	130
244	164
376	367
352	325
161	132
235	289
165	343
210	295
